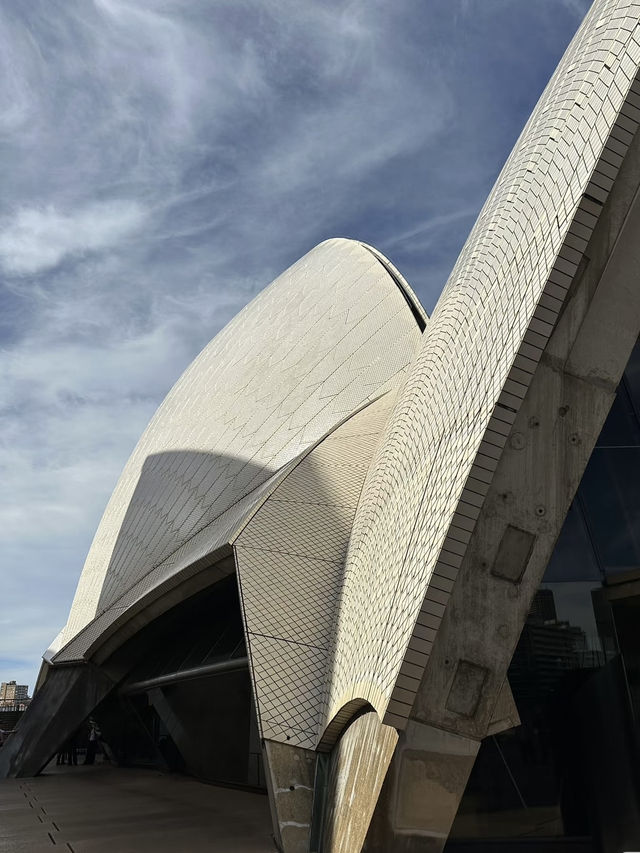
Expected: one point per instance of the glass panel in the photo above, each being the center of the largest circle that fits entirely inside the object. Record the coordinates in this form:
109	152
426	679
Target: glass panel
610	493
528	781
622	427
626	616
202	630
204	725
567	776
632	380
573	558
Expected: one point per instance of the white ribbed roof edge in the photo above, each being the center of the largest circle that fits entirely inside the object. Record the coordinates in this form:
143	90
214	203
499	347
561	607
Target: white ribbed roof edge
478	354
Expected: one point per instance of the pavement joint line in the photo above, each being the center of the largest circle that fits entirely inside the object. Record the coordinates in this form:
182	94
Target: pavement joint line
61	797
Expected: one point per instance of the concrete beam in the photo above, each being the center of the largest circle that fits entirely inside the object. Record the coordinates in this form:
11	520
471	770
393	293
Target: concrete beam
58	709
422	791
537	476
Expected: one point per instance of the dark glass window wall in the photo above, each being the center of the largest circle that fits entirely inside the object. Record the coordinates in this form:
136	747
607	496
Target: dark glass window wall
567	778
186	704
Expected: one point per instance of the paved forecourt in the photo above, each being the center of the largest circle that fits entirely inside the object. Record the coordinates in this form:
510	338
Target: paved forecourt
96	809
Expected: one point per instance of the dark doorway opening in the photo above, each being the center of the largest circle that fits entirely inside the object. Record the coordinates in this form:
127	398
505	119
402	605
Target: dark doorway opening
186	704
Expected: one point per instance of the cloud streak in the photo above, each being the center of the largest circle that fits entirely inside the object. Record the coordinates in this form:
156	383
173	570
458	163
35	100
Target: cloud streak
163	161
39	239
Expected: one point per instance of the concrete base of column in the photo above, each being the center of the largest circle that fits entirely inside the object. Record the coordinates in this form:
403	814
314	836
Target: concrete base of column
423	789
290	772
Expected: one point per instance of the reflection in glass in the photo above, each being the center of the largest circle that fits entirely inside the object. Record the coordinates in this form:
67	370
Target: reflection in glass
610	495
573	558
569	776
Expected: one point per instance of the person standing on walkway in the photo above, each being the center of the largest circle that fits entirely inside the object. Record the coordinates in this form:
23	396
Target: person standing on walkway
70	750
92	746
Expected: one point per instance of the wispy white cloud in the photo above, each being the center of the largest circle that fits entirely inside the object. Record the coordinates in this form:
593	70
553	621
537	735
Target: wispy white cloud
36	239
418	234
162	161
579	8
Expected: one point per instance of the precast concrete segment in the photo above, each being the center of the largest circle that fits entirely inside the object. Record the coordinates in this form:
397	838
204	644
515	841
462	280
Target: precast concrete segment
332	332
62	704
421	792
462	693
479	352
567	270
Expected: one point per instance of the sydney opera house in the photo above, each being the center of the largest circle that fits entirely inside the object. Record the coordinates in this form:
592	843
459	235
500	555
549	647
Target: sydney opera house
385	566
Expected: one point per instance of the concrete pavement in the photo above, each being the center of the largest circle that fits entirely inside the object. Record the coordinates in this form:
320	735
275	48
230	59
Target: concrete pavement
103	809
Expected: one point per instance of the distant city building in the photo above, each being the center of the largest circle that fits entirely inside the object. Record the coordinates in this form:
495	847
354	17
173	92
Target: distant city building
543	607
546	650
14	697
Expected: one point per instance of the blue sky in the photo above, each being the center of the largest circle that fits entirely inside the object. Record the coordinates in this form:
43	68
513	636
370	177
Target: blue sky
162	161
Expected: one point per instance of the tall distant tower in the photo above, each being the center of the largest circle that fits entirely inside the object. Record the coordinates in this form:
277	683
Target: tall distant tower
12	693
